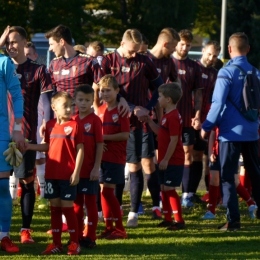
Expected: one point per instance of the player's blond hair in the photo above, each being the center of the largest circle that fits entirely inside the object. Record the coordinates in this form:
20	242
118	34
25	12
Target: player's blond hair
169	34
97	46
132	35
107	80
60	94
172	90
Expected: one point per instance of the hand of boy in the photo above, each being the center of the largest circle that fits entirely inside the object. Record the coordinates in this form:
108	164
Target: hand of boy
195	122
74	179
213	157
163	165
94	175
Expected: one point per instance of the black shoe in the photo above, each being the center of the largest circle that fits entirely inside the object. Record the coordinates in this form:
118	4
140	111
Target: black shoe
176	226
196	199
156	215
87	243
229	226
165	224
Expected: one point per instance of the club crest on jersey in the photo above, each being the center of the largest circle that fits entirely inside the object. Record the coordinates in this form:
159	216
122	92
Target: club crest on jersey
56	72
163	121
115	117
125	69
136	66
68	130
165	69
181	72
204	76
190	70
87	127
27	75
74	70
114	68
159	70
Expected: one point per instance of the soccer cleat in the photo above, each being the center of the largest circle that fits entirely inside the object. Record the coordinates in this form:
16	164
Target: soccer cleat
73	248
205	197
64	229
26	236
252	211
8	246
87	243
85	231
196	199
187	203
141	209
52	249
132	222
117	234
208	216
105	233
229	226
43	203
165	223
156	214
176	226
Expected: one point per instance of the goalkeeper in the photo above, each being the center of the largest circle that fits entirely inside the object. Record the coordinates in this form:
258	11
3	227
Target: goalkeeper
9	83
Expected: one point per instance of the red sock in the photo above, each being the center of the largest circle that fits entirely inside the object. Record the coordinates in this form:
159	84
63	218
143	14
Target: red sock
114	206
78	209
167	209
242	180
72	223
244	194
91	206
175	205
106	212
214	194
56	225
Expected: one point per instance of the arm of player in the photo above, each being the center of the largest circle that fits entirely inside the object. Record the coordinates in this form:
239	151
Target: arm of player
43	147
153	126
159	112
123	136
4	36
195	122
96	103
170	150
74	178
94	175
212	137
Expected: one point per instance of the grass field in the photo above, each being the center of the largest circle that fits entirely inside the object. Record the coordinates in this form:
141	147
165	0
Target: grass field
200	239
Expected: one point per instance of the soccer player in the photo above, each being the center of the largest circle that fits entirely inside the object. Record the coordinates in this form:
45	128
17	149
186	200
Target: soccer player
115	134
30	51
64	143
189	74
134	72
88	186
81	48
35	82
208	78
9	82
170	154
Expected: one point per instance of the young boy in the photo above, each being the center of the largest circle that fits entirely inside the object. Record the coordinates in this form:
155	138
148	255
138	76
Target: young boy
89	175
115	134
64	143
170	154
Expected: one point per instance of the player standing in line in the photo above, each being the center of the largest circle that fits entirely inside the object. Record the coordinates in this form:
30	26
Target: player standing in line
35	82
30	51
189	73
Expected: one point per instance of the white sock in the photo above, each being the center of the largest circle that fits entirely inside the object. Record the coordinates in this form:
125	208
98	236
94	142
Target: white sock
40	171
13	186
133	214
184	195
127	178
64	219
3	234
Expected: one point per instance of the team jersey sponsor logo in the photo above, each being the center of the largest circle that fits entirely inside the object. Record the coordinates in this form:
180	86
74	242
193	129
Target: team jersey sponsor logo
204	76
181	72
159	70
125	69
87	127
135	66
56	72
68	130
163	121
65	72
115	117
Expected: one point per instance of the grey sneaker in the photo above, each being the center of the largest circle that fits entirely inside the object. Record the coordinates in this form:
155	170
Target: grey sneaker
132	222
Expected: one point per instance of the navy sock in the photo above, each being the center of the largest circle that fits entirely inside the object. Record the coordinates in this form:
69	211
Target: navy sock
136	189
154	187
99	200
185	178
195	176
119	192
27	203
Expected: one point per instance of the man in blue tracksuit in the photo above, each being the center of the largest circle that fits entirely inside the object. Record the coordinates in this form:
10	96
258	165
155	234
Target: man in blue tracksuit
8	83
236	133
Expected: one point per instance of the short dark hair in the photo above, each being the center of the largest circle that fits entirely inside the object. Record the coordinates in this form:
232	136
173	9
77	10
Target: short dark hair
241	41
108	79
144	40
60	32
20	30
30	45
59	95
213	43
85	88
218	64
172	90
186	35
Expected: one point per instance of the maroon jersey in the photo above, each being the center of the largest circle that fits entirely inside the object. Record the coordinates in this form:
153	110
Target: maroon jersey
66	74
189	73
208	79
134	76
35	80
171	125
92	132
63	140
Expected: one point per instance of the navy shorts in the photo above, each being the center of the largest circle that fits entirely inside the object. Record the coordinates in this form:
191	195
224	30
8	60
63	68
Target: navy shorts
134	146
148	145
172	176
188	136
200	144
112	173
85	186
214	166
59	189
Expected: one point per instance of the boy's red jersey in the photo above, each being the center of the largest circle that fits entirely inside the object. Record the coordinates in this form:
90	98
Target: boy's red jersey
92	132
63	140
113	123
171	125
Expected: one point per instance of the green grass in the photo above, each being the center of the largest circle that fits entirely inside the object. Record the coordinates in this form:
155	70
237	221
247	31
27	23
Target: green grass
200	239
